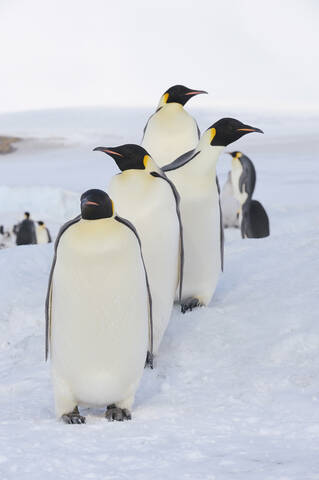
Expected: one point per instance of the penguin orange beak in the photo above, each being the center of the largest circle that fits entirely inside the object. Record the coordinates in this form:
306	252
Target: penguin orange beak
196	92
89	202
107	150
248	129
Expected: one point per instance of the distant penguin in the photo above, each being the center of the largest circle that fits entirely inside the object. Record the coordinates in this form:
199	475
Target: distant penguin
229	204
255	222
146	197
26	231
171	131
42	233
98	310
194	176
243	175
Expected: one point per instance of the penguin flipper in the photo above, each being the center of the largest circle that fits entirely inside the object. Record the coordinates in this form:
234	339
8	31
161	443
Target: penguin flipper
180	161
181	237
49	290
222	236
247	179
150	352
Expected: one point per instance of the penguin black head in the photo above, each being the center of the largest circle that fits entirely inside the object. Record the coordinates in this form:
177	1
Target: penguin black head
179	94
40	223
228	130
127	157
27	214
235	154
96	204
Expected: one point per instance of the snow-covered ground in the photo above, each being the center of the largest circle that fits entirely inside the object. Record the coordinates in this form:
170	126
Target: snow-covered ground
235	392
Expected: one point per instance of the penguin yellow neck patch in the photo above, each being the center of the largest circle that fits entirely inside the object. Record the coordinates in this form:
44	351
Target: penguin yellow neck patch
145	160
238	155
165	97
212	134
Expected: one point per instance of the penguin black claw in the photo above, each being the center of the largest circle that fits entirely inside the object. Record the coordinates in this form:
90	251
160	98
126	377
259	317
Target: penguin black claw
118	414
189	304
73	417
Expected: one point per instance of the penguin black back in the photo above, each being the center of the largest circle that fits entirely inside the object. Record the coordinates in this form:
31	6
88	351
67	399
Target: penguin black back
255	222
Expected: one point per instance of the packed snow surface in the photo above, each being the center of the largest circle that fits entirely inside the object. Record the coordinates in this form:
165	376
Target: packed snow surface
235	391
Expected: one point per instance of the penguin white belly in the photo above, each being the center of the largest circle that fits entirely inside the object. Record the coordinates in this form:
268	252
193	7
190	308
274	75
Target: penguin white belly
230	206
99	329
153	213
42	235
170	133
201	227
236	172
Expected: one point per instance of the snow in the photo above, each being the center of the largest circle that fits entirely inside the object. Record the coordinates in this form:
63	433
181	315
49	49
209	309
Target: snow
235	392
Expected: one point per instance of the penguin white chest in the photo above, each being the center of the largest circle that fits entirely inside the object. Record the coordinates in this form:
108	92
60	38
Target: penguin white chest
149	204
42	235
201	226
236	173
99	329
170	133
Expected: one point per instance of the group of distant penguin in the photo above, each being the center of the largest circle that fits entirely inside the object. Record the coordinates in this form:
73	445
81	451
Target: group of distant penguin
238	207
27	232
118	267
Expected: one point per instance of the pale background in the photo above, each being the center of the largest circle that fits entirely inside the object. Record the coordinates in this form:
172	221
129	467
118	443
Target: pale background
251	54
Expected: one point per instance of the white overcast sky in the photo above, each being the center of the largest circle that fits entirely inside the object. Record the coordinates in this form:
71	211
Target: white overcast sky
247	53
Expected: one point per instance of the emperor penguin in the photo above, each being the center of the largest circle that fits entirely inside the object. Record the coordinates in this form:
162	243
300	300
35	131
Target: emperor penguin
255	221
194	175
26	231
243	176
229	204
171	131
42	233
146	197
98	312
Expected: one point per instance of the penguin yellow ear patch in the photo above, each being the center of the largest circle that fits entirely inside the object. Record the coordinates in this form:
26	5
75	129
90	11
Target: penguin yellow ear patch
165	97
145	160
112	207
212	133
238	155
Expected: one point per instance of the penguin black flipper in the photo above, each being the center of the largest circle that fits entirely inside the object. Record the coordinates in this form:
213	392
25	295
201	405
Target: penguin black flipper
222	237
180	161
149	360
48	296
198	130
255	221
247	179
181	238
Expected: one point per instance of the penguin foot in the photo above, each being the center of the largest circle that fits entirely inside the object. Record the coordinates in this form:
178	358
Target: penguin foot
115	413
73	417
189	304
149	362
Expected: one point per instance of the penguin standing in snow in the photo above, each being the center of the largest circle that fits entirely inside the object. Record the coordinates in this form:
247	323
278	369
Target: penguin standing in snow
146	197
253	219
25	231
229	204
171	131
194	175
42	233
98	310
243	176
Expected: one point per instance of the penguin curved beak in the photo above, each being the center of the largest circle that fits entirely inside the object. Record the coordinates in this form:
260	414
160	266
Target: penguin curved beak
248	129
89	202
107	150
195	92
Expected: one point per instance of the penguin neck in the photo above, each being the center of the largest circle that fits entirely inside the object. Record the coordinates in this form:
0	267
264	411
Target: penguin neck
170	108
208	155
